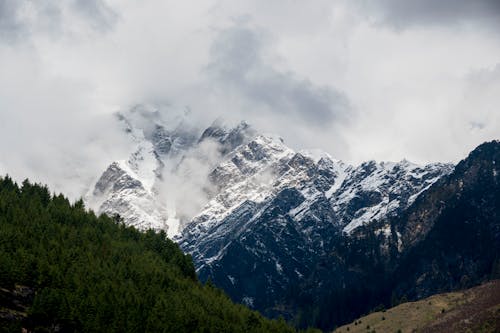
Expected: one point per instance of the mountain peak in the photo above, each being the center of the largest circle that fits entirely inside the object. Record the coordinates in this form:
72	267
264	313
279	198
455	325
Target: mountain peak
488	151
228	137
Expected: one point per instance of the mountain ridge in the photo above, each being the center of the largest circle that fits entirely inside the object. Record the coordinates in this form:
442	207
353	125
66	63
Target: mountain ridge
280	229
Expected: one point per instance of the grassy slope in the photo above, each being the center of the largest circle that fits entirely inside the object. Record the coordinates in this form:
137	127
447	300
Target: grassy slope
473	310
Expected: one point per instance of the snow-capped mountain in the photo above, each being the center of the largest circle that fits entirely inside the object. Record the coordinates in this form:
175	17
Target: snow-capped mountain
257	216
373	190
127	187
276	211
130	188
165	153
257	172
447	239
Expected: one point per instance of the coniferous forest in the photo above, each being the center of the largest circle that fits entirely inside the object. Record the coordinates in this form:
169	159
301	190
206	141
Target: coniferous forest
86	273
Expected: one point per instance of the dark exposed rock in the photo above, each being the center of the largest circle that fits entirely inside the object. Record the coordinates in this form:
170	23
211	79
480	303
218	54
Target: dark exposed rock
14	304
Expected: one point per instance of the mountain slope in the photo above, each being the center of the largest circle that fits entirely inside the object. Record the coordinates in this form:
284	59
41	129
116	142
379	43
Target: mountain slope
472	310
304	235
447	239
278	212
262	219
452	233
62	269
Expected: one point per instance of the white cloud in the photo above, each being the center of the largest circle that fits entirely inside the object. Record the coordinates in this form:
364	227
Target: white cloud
336	75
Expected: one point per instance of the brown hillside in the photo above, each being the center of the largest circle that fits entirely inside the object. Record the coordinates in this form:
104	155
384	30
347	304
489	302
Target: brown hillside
472	310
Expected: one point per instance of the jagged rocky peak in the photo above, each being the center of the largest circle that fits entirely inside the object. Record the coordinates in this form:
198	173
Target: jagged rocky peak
162	150
375	190
247	159
476	175
254	174
119	192
171	135
130	187
228	137
485	158
254	168
257	171
115	178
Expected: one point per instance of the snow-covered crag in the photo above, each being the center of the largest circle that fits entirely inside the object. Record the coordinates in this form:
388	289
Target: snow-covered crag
264	215
257	172
131	188
276	211
165	154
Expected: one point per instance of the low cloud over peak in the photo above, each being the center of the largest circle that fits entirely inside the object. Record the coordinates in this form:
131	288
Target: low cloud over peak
361	80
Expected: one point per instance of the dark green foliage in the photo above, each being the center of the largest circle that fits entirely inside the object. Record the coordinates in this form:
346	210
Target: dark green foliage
93	274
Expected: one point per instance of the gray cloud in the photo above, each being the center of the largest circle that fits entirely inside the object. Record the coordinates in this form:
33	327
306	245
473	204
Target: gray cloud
11	26
97	12
402	14
20	19
318	73
238	64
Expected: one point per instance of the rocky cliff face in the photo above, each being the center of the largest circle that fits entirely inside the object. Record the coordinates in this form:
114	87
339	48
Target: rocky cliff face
452	231
447	239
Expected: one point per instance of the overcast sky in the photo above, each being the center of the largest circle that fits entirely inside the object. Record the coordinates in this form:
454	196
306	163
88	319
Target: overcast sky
361	80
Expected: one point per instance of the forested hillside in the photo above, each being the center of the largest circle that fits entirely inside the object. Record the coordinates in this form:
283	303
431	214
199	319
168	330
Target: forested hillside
62	268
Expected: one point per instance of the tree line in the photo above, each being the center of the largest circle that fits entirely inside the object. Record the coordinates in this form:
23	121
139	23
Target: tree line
92	273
